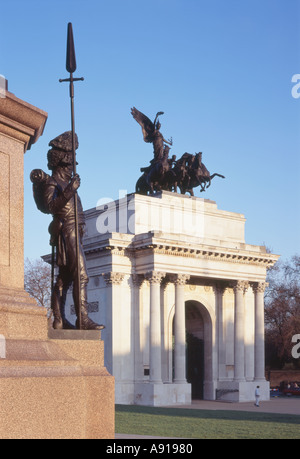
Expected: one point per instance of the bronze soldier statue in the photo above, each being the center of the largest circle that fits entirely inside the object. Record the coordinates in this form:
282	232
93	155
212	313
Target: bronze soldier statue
55	195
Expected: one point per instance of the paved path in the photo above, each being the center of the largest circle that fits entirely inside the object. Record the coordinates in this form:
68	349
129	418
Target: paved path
283	405
275	405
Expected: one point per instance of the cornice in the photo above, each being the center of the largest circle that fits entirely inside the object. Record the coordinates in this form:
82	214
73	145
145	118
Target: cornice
205	252
21	120
219	254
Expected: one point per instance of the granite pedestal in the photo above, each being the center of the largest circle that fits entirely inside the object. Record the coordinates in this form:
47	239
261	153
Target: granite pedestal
50	387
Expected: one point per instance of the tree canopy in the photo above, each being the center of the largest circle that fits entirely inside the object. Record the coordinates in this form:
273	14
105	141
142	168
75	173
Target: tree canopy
282	312
37	281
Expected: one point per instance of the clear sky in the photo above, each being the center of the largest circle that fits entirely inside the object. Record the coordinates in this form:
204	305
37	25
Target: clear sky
221	70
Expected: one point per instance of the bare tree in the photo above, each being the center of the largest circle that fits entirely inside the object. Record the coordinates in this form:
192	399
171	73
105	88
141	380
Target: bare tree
282	312
37	281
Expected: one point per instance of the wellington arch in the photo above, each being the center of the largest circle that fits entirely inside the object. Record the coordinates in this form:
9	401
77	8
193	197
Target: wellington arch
181	295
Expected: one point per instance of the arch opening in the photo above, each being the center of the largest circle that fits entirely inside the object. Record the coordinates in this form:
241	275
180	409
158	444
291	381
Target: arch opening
198	347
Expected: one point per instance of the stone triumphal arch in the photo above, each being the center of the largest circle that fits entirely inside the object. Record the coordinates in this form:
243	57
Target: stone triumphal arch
181	295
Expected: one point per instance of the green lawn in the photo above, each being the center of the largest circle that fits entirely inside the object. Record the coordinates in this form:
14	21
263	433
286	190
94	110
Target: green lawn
208	424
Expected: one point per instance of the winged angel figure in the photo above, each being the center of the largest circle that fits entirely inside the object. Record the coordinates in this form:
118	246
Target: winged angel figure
151	132
163	173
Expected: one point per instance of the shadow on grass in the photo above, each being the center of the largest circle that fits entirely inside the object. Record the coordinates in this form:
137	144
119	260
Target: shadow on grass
210	414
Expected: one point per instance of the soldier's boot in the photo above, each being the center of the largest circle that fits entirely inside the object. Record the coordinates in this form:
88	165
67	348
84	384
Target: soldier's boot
55	306
86	322
57	322
58	307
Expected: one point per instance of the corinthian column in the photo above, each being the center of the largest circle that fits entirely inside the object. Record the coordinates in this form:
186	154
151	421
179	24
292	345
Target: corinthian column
219	289
179	328
155	278
138	333
259	352
239	345
114	347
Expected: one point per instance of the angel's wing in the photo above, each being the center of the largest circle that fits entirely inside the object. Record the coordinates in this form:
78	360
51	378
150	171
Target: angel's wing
145	123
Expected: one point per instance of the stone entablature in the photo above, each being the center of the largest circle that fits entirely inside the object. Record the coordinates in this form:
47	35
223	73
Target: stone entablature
152	242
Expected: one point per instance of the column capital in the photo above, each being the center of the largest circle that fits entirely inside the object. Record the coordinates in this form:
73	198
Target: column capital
113	278
240	286
137	279
220	287
154	277
179	279
259	287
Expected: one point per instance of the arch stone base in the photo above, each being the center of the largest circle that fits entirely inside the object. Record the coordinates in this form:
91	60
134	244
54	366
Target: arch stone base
162	394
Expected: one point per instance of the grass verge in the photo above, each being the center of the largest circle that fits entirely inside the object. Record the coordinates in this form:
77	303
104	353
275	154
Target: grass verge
205	424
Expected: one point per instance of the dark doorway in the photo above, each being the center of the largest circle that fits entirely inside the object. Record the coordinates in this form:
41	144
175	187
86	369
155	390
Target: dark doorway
195	365
194	348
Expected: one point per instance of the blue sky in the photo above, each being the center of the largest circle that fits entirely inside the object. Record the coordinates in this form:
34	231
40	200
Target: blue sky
220	70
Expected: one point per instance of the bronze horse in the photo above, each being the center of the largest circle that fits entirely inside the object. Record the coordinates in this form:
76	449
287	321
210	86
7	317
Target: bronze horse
196	174
187	173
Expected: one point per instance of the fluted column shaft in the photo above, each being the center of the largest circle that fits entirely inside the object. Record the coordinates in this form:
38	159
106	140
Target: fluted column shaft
239	345
155	278
259	353
179	328
113	348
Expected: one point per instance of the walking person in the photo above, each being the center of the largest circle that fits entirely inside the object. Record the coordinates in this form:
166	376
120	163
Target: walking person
257	396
